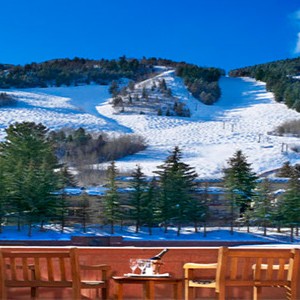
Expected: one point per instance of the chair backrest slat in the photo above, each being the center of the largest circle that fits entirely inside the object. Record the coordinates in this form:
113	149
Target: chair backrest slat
234	268
50	269
25	269
281	269
270	271
62	267
37	268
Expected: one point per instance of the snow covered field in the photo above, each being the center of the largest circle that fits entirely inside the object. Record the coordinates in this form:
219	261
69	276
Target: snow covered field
241	119
214	234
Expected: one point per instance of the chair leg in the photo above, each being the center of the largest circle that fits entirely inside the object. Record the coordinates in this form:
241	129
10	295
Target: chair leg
256	292
221	293
186	290
104	293
33	292
189	293
290	293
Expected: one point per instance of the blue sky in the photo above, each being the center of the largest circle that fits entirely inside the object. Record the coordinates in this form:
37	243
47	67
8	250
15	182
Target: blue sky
220	33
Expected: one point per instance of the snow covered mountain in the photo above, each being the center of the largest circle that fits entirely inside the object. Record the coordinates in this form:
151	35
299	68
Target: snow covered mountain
242	119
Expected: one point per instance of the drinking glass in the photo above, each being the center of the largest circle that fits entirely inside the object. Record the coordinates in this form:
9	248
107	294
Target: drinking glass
133	264
142	264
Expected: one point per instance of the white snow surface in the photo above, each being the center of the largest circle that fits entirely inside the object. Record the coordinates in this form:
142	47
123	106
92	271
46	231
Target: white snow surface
243	118
215	234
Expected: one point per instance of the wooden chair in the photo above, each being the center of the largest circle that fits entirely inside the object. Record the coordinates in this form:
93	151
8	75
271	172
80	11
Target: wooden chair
192	280
248	268
102	283
48	269
236	269
280	272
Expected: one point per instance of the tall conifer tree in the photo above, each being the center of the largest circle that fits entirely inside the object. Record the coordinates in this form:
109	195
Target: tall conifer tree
262	209
240	181
137	197
290	205
29	167
176	184
112	210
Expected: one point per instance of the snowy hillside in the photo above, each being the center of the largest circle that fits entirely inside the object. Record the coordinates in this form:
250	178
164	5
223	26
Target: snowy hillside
241	119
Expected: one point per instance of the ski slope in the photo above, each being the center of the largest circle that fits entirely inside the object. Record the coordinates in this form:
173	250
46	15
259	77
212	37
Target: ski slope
242	119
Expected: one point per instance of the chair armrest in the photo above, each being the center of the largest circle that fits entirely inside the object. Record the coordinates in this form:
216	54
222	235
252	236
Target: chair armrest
200	266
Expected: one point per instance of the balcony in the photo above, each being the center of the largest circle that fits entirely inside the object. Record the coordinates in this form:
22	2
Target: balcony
118	259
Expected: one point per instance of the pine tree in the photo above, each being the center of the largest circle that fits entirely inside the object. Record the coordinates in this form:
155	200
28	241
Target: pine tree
131	85
197	211
240	182
137	196
29	167
111	199
114	88
145	93
162	85
149	213
262	209
286	170
176	185
290	205
3	195
66	179
84	211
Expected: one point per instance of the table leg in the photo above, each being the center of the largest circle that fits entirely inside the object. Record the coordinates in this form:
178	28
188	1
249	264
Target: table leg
149	290
177	290
120	291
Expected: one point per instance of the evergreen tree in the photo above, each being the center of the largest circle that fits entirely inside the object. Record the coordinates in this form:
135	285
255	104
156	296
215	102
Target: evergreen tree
199	210
240	182
162	85
290	206
3	196
111	199
144	93
29	167
66	179
286	170
137	197
84	211
131	85
262	209
114	88
80	137
176	184
149	213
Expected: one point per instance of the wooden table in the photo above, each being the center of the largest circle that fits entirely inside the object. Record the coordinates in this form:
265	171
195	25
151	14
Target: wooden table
148	285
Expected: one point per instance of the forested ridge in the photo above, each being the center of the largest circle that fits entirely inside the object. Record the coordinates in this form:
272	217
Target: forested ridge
281	77
201	81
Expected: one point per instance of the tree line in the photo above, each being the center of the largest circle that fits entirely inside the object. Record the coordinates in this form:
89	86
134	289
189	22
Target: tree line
170	197
31	178
77	146
201	81
280	77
